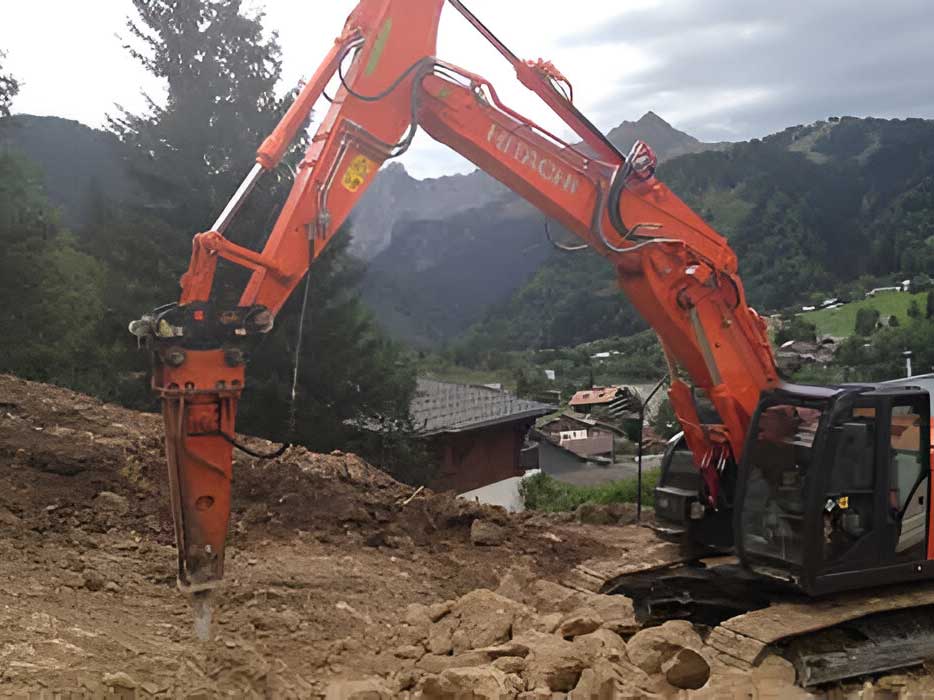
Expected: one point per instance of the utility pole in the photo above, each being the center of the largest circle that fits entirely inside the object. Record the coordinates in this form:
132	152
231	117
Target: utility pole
642	405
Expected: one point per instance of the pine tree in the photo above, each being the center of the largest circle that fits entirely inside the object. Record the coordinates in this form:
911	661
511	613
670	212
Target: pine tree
221	70
189	157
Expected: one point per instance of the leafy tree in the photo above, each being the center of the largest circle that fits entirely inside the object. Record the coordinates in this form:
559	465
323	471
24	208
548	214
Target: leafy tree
914	311
51	293
866	321
9	87
929	305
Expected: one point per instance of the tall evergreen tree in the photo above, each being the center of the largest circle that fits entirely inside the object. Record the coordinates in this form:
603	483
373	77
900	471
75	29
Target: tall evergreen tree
189	156
220	70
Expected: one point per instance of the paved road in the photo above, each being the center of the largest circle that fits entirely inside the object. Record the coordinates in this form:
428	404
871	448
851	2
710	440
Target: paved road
595	476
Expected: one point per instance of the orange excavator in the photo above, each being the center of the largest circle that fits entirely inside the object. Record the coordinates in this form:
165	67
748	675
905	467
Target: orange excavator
819	488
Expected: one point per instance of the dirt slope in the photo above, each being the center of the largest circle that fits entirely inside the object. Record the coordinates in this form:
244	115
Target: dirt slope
323	558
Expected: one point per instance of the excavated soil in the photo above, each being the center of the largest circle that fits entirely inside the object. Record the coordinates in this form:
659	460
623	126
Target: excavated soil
323	559
335	573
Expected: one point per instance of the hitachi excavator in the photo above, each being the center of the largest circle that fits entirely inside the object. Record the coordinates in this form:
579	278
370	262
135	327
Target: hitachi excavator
817	489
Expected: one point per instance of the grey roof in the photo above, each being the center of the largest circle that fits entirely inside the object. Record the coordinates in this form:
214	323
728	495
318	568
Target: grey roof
441	407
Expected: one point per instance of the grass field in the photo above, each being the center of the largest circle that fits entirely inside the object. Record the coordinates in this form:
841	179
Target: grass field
842	322
542	492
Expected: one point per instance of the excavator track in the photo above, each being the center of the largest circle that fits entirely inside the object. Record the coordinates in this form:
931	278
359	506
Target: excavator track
834	638
827	639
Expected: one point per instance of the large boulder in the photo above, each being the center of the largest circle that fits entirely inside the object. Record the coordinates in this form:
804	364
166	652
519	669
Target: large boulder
435	663
619	681
616	612
471	684
553	662
531	621
546	596
479	619
579	622
371	689
687	670
517	583
650	648
484	533
603	644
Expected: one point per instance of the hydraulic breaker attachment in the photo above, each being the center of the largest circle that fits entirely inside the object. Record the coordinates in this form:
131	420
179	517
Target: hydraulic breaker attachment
199	391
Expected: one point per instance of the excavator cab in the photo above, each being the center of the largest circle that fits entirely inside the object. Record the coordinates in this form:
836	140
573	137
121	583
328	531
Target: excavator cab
833	491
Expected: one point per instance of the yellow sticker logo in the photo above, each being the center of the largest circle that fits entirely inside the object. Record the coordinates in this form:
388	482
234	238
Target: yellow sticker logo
843	502
357	173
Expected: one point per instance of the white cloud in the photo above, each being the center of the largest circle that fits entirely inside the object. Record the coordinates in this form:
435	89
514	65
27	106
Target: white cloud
718	68
71	60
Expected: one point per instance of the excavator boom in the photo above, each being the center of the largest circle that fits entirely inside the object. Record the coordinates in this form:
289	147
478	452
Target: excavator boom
679	273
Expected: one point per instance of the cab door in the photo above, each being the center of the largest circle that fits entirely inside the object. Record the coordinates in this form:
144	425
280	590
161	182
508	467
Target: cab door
877	494
908	479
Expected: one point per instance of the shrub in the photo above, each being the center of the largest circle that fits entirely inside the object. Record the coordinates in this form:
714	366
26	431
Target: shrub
543	492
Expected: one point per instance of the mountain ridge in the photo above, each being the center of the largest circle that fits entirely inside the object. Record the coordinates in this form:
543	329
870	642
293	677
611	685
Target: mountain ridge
419	283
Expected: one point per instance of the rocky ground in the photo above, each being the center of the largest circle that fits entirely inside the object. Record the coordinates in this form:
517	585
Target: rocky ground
340	584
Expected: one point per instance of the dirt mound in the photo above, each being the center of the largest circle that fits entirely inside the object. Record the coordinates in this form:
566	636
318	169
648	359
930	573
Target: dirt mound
75	448
325	554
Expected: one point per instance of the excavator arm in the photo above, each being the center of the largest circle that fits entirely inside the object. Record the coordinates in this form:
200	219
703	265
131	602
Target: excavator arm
679	273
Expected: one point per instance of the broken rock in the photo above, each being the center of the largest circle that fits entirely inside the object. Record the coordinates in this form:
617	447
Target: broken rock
616	612
438	663
603	643
92	580
119	680
650	648
484	533
687	670
553	662
516	584
481	619
471	684
510	664
530	622
579	622
611	680
371	689
552	597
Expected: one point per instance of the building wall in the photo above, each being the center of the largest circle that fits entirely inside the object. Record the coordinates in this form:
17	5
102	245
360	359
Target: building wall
555	461
475	458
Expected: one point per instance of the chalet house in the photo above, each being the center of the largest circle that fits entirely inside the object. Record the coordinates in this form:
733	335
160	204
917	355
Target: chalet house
619	401
475	432
583	435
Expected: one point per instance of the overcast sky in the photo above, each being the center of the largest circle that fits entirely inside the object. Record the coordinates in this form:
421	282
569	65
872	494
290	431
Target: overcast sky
718	69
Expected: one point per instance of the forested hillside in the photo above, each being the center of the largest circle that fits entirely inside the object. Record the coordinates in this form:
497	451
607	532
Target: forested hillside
829	208
445	264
